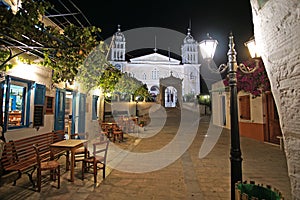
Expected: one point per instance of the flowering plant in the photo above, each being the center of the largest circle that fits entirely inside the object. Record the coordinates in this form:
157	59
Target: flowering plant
254	83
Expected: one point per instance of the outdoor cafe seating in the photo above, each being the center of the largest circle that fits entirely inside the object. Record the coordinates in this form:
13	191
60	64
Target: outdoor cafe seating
97	161
113	131
81	152
51	165
123	124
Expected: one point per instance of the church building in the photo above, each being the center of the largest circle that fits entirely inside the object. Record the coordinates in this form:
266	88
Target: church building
152	67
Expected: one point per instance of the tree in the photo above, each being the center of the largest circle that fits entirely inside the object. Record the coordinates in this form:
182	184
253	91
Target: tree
109	78
128	86
64	51
67	59
19	30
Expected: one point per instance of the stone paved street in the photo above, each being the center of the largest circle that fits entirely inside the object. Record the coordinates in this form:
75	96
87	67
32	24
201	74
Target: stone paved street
188	177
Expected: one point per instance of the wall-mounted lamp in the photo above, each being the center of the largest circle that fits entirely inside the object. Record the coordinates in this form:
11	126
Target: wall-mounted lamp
252	47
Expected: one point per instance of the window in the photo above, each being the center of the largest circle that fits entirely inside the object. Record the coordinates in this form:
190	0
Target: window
244	103
49	104
155	74
16	105
16	102
144	76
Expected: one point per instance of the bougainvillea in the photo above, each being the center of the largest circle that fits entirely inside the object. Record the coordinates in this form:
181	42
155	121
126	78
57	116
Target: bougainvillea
254	83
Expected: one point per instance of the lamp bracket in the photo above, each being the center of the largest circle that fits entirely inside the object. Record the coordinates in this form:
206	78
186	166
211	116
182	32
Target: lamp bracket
218	70
222	68
247	70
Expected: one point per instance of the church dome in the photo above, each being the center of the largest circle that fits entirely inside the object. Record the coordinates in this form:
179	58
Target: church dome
119	36
189	38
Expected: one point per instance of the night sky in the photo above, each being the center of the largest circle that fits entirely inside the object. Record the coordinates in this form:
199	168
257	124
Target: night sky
216	17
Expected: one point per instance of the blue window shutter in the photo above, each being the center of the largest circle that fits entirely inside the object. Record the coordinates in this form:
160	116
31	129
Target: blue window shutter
39	95
39	100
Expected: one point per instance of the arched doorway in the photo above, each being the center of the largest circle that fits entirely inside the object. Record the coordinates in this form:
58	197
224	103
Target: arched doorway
154	92
170	91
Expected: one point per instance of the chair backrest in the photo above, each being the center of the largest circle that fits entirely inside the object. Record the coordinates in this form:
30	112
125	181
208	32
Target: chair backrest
37	153
100	148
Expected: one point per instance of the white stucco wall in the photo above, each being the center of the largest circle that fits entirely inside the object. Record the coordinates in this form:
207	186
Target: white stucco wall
277	32
218	92
41	75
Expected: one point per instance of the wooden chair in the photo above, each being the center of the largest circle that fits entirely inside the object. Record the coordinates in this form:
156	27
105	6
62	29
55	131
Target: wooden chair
81	152
97	161
53	166
105	129
117	133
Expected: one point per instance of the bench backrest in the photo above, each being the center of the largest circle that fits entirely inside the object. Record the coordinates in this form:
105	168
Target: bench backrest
58	135
24	150
21	150
8	156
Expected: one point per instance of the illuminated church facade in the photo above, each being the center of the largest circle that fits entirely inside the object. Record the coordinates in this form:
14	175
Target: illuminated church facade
152	67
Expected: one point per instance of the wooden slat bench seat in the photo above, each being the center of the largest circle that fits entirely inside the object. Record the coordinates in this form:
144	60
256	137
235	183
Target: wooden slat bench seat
19	155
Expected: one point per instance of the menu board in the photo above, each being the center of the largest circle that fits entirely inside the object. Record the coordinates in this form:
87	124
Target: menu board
38	116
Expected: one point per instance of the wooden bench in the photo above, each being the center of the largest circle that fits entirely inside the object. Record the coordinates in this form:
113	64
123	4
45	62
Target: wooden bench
19	155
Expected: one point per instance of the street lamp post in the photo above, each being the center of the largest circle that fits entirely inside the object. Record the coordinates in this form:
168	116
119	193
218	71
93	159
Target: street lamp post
235	151
231	67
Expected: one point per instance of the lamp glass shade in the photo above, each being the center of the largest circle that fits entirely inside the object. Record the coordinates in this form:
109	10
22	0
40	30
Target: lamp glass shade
251	45
208	48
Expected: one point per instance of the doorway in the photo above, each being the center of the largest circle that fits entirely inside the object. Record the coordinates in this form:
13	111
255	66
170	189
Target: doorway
171	97
272	120
70	111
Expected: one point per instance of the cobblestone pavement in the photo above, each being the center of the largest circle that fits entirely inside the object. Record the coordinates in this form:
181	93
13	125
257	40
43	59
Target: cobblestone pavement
188	177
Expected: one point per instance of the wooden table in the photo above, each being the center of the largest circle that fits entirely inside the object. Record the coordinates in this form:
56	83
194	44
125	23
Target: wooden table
70	146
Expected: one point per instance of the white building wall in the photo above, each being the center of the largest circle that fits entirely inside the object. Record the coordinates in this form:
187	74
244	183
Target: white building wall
220	109
41	75
276	31
164	70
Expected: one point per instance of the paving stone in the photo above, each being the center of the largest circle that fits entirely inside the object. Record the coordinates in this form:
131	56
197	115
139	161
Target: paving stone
189	177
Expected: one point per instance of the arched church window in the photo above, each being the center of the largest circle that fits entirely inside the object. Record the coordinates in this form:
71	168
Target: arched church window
154	74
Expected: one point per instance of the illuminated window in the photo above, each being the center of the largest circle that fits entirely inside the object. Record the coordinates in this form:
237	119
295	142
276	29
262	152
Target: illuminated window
16	102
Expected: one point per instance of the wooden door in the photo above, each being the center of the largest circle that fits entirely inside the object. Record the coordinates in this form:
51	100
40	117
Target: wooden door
272	123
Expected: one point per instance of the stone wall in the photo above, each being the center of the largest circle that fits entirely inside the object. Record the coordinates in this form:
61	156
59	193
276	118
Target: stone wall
277	32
